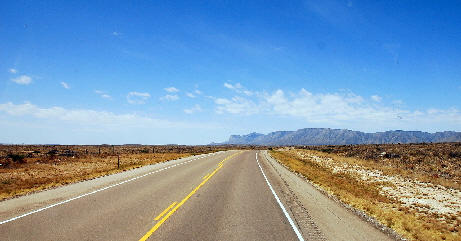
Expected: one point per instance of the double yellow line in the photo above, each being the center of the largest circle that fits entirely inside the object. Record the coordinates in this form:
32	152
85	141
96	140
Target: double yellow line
173	207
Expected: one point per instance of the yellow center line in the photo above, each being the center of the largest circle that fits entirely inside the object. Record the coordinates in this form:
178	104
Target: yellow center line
166	210
148	234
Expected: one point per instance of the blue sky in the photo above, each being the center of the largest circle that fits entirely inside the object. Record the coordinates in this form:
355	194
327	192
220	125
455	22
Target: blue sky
196	72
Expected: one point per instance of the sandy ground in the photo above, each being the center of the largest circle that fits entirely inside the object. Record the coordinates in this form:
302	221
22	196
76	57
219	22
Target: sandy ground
425	198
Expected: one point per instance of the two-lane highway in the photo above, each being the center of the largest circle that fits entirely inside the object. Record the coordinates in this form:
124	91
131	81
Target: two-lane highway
233	195
236	204
222	196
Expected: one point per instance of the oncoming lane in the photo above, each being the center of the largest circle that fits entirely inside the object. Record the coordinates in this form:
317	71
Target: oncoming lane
124	209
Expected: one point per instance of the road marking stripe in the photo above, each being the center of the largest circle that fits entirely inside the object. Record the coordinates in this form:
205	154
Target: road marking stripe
86	194
166	210
300	237
148	234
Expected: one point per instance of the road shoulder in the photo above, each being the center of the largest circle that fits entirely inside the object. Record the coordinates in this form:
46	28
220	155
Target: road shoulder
336	220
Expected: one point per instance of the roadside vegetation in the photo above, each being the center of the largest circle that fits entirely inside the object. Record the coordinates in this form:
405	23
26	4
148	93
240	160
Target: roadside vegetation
413	189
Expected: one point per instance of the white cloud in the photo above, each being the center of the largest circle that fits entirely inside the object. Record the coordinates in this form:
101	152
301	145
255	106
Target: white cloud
170	97
236	105
97	119
376	98
197	108
238	88
190	95
106	96
14	71
23	80
229	86
171	89
433	111
451	115
324	107
137	98
343	110
233	87
65	85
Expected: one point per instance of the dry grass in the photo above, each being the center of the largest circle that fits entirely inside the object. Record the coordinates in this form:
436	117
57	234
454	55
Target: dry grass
38	173
329	171
29	168
438	163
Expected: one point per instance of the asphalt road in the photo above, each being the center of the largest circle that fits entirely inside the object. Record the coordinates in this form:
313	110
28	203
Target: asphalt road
223	196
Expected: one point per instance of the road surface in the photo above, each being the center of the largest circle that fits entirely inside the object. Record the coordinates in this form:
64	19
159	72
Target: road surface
233	195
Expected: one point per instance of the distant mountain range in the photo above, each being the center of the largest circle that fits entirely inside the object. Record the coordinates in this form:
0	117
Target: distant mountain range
327	136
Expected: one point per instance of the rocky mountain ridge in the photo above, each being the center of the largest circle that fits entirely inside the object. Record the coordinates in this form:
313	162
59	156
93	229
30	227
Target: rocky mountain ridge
327	136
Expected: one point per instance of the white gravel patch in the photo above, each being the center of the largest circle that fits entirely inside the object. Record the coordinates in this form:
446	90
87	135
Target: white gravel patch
420	196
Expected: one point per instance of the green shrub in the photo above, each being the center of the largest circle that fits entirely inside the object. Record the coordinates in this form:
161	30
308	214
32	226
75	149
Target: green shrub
17	158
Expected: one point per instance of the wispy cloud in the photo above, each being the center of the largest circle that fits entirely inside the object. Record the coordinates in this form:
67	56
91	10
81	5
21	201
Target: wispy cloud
197	108
190	95
106	96
233	87
236	105
13	71
171	89
137	98
103	95
97	119
398	103
238	88
65	85
376	98
23	80
169	97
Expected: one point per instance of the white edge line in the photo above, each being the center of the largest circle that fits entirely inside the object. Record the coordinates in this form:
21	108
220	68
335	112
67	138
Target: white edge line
93	192
300	237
